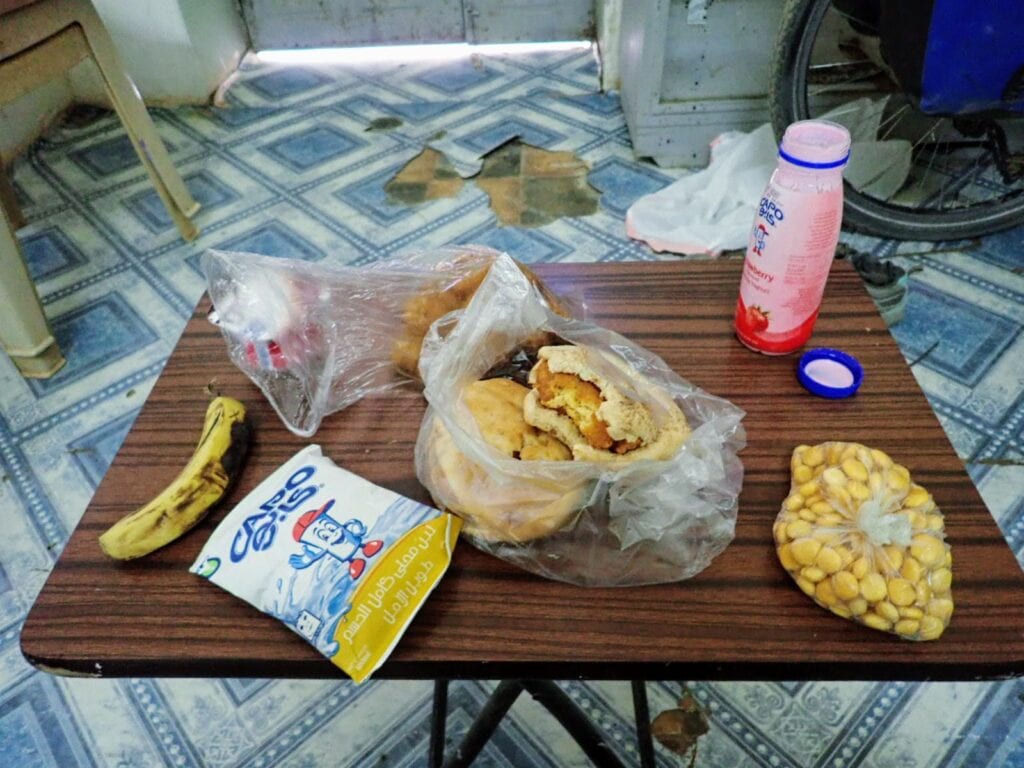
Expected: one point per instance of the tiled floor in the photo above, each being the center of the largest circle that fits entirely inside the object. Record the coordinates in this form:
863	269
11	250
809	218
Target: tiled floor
291	169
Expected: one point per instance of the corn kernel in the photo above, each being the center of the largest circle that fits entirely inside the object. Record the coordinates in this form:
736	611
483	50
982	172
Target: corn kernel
859	491
824	594
839	610
887	611
803	473
828	560
924	593
813	456
821	508
855	470
809	489
806	586
931	628
933	522
812	500
916	497
834	476
881	459
940	608
794	502
901	592
805	550
873	588
864	456
902	471
786	558
860	568
831	520
858	606
907	627
897	483
826	537
917	521
927	549
875	483
834	453
875	621
798	529
812	573
779	532
894	556
941	580
845	555
806	514
911	570
843	500
911	612
845	585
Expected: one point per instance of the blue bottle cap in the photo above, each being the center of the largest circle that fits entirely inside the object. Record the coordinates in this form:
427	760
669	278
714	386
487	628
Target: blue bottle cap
829	373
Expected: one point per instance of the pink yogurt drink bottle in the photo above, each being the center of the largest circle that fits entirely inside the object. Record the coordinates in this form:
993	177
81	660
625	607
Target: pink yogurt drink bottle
793	241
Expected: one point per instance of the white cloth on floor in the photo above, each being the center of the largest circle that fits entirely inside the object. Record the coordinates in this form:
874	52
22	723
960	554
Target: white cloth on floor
711	210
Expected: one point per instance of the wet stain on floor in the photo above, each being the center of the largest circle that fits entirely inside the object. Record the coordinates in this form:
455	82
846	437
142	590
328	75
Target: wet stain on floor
428	176
528	186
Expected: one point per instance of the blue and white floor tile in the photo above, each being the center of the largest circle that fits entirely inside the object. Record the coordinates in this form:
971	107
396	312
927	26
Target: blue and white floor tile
289	169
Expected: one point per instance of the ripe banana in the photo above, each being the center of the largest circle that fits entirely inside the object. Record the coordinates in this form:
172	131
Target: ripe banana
215	463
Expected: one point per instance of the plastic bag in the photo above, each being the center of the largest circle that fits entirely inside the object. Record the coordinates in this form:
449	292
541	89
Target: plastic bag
585	522
316	338
864	541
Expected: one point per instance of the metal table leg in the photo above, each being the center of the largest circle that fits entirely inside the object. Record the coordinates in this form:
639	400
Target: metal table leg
642	715
555	701
438	721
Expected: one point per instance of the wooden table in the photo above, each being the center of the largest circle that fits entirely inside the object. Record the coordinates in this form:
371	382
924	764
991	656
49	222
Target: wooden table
742	618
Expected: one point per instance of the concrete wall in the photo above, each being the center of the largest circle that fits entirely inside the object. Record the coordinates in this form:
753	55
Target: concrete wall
609	32
176	51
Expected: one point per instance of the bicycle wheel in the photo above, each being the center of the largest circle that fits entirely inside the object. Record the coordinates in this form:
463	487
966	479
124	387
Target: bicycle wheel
920	177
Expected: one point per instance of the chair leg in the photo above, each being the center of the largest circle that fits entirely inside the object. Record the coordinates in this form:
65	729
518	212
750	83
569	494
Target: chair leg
137	123
24	332
9	201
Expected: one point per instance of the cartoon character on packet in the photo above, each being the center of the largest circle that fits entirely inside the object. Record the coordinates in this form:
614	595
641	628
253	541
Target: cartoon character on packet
320	534
307	625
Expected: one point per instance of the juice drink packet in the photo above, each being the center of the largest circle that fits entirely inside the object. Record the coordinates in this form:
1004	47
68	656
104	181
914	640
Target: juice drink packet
343	562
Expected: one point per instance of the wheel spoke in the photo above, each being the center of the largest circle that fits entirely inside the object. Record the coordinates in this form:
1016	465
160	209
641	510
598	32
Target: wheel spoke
895	116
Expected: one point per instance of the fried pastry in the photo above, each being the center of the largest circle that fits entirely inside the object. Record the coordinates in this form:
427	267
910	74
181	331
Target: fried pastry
590	413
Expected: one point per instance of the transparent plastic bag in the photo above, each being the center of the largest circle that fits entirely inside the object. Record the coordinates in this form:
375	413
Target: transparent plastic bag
590	523
864	541
316	338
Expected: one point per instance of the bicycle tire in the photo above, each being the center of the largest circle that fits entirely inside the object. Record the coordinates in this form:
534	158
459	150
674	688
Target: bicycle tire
788	103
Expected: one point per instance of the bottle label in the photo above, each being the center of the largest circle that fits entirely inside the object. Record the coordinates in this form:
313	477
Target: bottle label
791	248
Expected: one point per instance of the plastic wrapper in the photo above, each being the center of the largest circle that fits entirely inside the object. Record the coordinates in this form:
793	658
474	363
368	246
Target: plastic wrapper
591	523
864	541
344	563
316	338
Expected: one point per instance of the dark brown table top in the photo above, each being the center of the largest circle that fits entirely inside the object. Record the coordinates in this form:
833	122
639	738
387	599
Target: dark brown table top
742	618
